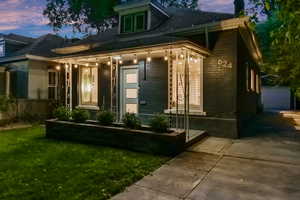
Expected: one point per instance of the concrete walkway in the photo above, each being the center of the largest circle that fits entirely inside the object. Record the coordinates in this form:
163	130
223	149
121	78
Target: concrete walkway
15	126
261	166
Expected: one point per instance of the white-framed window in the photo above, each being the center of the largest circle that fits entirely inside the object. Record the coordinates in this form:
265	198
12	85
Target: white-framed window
195	84
52	84
253	80
2	48
89	86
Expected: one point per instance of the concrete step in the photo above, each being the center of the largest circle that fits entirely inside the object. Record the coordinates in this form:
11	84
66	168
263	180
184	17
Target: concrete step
291	115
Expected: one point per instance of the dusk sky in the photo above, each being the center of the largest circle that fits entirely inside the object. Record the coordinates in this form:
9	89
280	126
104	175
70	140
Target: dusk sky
25	16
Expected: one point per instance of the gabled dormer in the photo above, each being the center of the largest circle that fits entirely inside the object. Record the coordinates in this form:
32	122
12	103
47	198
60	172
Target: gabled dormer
2	47
140	15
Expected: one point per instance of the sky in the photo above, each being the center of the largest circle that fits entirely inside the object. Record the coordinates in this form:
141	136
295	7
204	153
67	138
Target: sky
25	17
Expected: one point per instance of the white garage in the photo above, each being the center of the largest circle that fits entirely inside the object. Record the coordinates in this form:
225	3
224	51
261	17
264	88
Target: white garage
276	98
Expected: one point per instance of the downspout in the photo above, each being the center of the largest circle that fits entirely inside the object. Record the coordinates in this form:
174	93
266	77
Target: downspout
206	37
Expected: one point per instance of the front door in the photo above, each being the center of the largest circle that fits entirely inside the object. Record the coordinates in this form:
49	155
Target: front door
129	90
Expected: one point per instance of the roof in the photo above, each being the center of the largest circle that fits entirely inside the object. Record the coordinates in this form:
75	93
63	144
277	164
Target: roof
41	46
17	38
178	18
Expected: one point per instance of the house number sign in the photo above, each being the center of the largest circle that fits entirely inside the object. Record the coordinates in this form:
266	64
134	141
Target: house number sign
224	63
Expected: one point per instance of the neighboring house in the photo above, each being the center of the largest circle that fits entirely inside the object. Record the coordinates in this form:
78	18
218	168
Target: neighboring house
200	68
274	96
26	73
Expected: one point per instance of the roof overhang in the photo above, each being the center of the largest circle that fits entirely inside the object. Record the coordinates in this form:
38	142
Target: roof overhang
139	4
136	50
242	24
23	57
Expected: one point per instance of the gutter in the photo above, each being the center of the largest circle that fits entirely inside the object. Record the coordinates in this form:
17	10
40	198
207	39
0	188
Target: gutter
23	57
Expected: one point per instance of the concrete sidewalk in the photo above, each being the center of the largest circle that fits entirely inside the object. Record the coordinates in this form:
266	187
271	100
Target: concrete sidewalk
266	166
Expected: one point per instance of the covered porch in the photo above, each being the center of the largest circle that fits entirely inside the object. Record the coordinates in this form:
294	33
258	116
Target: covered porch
163	78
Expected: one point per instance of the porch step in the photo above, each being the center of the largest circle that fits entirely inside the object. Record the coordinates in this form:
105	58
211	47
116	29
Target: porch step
291	115
195	136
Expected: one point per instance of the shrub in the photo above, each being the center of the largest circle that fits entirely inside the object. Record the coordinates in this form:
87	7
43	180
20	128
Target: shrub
61	113
159	123
80	116
6	103
105	118
130	120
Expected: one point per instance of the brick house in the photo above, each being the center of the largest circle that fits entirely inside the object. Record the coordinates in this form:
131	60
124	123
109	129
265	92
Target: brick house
200	68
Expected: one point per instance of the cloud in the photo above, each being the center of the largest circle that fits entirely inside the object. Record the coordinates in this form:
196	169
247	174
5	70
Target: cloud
18	14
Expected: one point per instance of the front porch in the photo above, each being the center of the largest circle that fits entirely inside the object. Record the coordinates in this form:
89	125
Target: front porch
165	78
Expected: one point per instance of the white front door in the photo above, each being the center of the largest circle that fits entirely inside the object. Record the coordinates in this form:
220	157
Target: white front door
129	90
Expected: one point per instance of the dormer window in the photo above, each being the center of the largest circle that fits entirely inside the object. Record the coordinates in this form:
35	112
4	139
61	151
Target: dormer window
134	22
2	48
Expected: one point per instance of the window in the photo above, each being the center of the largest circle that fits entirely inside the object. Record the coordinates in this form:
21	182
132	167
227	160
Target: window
89	85
194	85
52	84
253	80
134	22
2	49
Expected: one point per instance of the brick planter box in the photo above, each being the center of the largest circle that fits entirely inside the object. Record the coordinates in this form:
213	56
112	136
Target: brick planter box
137	140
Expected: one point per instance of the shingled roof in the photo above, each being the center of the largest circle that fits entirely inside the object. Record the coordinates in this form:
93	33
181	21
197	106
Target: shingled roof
179	18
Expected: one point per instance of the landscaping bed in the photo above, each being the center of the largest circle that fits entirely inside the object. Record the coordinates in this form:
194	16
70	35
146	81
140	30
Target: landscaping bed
143	140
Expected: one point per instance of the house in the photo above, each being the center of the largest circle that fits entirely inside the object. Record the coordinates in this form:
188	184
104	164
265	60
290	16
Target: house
200	68
26	73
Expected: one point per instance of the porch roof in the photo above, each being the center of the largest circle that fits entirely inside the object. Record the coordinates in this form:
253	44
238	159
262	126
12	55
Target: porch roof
132	47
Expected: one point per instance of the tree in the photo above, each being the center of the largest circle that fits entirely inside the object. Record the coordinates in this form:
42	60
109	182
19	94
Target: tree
262	7
81	15
239	7
85	16
193	4
282	54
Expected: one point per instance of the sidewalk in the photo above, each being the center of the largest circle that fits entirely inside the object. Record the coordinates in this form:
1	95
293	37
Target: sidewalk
265	166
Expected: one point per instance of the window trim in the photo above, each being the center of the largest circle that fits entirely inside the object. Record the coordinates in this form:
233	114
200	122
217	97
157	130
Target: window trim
93	106
53	86
193	111
133	17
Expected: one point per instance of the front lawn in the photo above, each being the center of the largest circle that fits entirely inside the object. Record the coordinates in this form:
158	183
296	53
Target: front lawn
33	167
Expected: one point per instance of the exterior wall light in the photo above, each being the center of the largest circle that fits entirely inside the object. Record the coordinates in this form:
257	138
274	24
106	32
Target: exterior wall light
166	58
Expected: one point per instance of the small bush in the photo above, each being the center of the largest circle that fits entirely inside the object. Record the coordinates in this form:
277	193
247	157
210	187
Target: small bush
62	113
130	120
159	123
80	116
105	118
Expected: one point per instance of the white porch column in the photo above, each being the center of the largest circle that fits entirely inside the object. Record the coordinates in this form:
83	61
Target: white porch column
7	79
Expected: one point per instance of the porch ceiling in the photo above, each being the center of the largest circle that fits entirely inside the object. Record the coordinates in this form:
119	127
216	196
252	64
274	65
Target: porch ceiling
142	52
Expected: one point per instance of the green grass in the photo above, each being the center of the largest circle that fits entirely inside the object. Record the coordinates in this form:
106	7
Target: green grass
35	168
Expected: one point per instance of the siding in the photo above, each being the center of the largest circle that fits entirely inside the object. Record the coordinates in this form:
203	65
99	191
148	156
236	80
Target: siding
220	82
37	79
153	93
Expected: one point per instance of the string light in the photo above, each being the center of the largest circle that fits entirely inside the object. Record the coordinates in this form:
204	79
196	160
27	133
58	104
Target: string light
66	66
57	68
149	57
135	60
108	63
87	64
97	64
75	66
166	58
121	62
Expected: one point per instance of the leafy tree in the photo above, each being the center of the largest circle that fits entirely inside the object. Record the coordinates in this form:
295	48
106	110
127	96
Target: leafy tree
262	8
280	40
239	7
81	15
87	16
180	3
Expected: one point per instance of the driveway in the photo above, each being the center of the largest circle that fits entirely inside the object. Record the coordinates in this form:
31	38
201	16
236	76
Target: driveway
264	164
